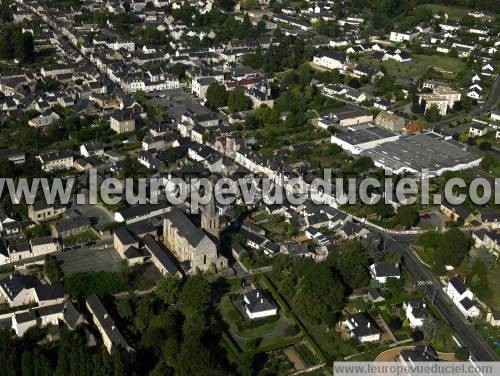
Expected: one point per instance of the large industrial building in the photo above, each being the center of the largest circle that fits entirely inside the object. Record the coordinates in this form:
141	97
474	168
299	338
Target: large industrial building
422	152
362	139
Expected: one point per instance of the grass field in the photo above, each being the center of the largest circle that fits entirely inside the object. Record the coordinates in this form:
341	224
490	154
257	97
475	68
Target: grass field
441	62
494	278
448	66
452	12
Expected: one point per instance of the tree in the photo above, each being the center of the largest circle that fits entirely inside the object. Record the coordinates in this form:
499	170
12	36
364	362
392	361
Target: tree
168	289
485	146
51	269
237	100
226	5
195	296
462	354
123	308
319	293
406	216
362	164
23	46
7	169
372	245
432	114
383	210
452	248
430	328
395	323
216	96
350	261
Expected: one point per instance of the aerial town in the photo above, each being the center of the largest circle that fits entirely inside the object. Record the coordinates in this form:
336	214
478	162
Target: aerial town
273	96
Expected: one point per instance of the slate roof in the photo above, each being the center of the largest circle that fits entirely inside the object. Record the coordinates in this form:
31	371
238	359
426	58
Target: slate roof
72	223
458	285
419	354
386	269
185	227
362	325
15	283
105	321
124	236
161	254
258	301
71	314
417	308
49	291
42	241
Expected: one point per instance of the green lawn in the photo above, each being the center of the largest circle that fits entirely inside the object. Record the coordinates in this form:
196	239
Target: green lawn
494	278
426	255
441	62
416	68
242	326
452	12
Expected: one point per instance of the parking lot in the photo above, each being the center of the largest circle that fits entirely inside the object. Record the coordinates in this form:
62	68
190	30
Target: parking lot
106	260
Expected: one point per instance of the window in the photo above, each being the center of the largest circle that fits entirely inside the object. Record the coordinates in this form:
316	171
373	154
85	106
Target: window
204	259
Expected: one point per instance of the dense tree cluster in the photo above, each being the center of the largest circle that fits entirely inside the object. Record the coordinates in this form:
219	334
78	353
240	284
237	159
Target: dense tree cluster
315	289
69	358
174	329
82	284
290	53
16	44
448	248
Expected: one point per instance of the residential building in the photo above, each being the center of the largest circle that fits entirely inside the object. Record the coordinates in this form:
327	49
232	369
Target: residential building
259	305
462	297
381	271
111	335
122	121
390	121
416	312
62	160
361	327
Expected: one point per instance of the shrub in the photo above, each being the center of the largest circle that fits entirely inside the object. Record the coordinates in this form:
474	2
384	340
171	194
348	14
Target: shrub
291	330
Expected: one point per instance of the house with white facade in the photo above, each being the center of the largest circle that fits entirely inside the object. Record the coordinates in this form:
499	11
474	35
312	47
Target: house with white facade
381	271
258	304
462	297
416	312
361	327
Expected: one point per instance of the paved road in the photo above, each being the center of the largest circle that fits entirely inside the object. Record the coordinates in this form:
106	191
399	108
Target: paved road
462	328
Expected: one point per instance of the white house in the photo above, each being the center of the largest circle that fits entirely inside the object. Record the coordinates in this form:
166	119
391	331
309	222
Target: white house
493	318
477	130
400	37
45	119
361	327
416	312
331	59
381	271
17	289
462	297
258	305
